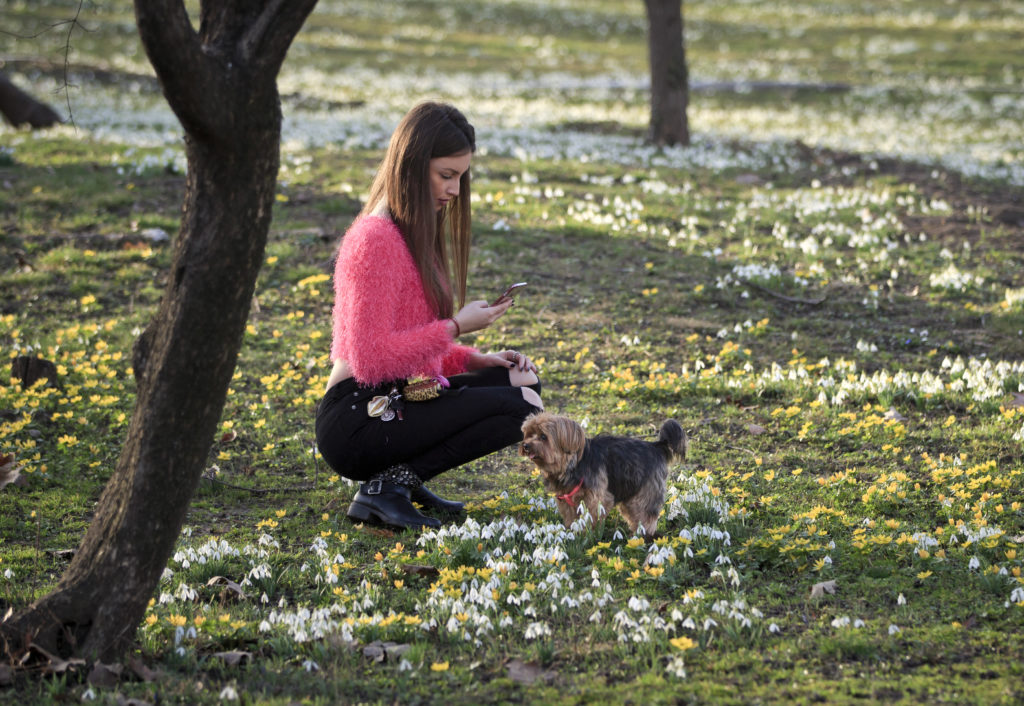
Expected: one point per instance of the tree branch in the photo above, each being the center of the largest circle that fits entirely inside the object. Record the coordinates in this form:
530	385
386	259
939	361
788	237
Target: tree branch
174	50
287	18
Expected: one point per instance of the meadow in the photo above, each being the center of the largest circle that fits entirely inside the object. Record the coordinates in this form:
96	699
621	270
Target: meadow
826	289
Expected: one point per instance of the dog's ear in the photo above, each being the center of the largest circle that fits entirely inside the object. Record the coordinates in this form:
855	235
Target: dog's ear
570	436
532	421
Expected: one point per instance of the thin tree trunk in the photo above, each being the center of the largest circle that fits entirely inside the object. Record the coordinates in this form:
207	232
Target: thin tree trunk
222	86
20	108
669	76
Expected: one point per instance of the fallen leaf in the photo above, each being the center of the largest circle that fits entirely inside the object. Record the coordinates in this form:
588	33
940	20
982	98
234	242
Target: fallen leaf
6	675
426	571
820	589
1017	401
9	472
231	589
140	670
527	673
381	651
121	701
234	657
228	437
756	429
894	414
105	675
55	665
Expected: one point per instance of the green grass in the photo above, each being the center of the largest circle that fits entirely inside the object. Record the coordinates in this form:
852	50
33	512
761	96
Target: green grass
837	322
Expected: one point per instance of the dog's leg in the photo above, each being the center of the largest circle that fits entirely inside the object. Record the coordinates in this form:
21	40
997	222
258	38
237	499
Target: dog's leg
568	513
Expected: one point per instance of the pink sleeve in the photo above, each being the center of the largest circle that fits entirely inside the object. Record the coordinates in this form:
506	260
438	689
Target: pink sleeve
378	287
455	361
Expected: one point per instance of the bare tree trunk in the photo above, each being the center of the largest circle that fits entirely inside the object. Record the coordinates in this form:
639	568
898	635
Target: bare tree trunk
19	108
669	77
221	83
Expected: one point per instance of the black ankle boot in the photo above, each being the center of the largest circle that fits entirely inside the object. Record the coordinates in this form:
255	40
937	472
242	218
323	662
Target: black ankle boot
379	502
432	502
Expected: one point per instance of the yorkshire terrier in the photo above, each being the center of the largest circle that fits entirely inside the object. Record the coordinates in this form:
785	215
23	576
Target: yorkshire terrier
603	471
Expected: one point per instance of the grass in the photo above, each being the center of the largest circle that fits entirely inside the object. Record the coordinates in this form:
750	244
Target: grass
825	290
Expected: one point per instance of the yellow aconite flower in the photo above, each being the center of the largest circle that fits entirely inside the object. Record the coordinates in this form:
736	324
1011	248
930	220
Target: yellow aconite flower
439	667
682	643
177	620
151	620
924	574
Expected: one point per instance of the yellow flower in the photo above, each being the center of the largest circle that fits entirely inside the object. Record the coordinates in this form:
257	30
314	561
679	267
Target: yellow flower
151	620
399	583
177	620
682	643
924	574
439	667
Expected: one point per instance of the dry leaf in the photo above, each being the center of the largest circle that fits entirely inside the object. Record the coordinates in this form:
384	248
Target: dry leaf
426	571
228	437
55	665
1017	401
756	429
893	413
381	651
820	589
234	657
9	472
105	675
527	673
141	670
6	675
121	701
231	589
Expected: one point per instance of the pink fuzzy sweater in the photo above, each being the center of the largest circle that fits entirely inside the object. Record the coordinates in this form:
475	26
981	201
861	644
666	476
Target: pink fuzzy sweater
383	326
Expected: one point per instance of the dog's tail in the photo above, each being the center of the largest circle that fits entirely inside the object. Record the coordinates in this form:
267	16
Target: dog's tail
672	440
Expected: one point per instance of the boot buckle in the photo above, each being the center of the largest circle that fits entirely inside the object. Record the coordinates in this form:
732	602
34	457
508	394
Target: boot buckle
374	487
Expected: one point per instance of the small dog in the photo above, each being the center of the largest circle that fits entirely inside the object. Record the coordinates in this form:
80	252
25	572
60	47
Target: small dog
604	471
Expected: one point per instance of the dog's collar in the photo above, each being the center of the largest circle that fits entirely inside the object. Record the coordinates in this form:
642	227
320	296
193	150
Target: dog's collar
567	497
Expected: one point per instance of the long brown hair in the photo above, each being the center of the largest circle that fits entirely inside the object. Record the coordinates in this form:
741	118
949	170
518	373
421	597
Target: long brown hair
438	240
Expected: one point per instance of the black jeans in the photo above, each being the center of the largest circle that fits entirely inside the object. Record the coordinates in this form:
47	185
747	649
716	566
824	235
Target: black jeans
481	413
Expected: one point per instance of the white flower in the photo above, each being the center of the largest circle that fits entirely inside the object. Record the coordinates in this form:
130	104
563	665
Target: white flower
311	666
901	600
893	629
228	693
774	628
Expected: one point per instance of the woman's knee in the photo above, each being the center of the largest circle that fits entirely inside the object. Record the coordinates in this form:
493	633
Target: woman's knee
532	398
525	379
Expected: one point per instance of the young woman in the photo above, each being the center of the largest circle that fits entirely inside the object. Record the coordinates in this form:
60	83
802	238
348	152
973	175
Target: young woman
399	269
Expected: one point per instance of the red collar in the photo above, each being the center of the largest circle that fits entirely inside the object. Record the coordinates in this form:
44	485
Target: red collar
567	497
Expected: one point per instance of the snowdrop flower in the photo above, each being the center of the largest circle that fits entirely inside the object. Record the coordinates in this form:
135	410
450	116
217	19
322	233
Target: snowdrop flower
228	693
901	600
311	666
773	628
89	695
893	629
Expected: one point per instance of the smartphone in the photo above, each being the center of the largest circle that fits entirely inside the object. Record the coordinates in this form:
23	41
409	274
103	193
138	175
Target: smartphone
508	293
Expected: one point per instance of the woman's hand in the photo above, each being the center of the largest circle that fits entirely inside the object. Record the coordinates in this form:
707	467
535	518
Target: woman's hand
504	359
478	315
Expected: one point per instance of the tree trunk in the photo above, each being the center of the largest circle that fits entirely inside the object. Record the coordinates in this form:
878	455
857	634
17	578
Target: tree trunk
669	77
19	108
221	83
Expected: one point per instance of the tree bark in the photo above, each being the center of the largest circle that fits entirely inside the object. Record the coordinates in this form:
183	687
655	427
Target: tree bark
669	76
221	83
19	108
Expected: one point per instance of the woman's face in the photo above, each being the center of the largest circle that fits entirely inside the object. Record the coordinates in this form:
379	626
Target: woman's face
445	173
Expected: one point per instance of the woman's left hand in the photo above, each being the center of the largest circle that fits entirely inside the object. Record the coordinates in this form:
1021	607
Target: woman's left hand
505	359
